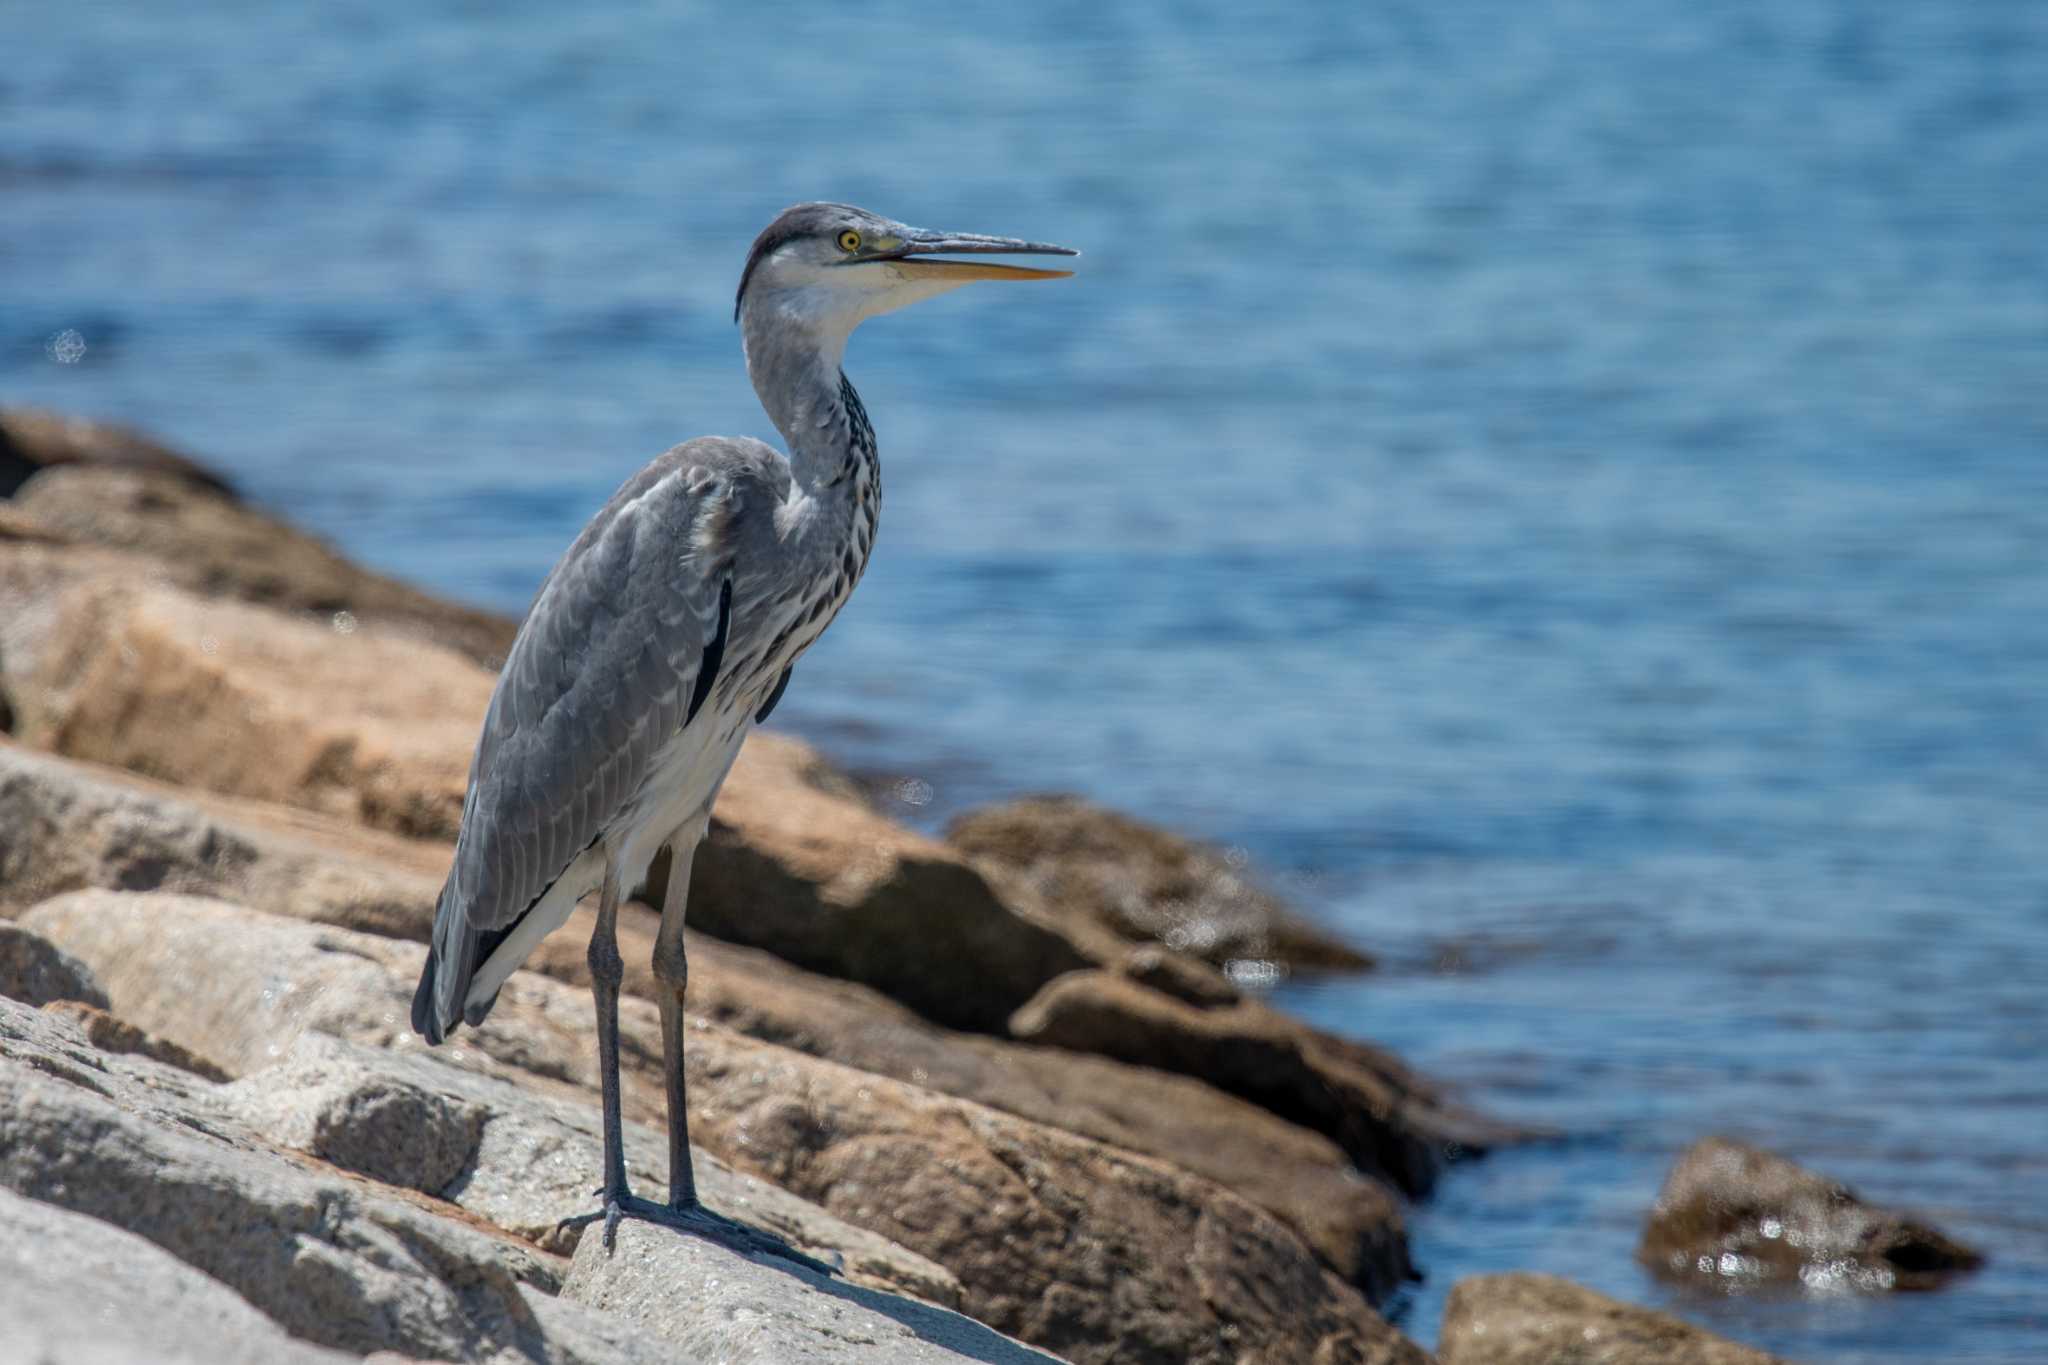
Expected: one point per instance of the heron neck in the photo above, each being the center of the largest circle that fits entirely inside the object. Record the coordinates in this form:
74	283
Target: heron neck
796	375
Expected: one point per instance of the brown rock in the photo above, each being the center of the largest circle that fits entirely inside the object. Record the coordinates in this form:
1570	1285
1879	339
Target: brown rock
33	440
216	546
1732	1216
36	971
1541	1320
1351	1221
819	879
1390	1121
1089	1251
1144	883
66	825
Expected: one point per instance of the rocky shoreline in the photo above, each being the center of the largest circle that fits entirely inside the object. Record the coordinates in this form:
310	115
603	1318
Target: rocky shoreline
1008	1080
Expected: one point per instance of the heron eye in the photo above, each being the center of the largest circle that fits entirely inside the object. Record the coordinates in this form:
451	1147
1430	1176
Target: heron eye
849	240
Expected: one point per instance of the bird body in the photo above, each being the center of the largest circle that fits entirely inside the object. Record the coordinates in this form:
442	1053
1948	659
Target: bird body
667	630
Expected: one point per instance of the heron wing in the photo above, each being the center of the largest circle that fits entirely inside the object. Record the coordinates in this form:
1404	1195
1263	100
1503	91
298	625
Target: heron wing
616	655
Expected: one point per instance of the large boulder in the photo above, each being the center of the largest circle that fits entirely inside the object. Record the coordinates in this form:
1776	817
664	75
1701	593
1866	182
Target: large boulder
66	826
36	971
1523	1319
1144	883
1092	1252
212	544
76	1290
1390	1121
755	1311
1732	1216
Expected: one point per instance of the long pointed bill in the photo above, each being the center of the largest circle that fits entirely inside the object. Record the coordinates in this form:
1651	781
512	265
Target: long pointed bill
913	257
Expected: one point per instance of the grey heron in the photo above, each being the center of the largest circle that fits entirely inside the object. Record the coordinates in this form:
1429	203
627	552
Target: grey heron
666	632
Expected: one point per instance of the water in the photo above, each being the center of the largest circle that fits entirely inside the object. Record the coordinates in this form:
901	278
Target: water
1562	484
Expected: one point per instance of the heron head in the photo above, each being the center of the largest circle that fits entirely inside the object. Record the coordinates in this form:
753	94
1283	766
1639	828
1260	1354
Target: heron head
830	266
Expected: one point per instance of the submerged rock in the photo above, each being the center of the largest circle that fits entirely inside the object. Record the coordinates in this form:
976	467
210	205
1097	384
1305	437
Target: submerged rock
1732	1216
1144	883
1541	1320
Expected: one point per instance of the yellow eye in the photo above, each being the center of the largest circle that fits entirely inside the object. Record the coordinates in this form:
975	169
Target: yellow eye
849	240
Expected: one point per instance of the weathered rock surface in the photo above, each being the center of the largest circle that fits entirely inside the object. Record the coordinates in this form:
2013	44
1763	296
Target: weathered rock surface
36	971
212	544
81	1292
1086	862
1541	1320
1092	1252
33	440
760	1313
330	1258
1390	1121
1732	1216
520	1161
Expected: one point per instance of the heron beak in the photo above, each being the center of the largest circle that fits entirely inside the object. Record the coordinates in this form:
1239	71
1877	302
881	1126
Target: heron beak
912	257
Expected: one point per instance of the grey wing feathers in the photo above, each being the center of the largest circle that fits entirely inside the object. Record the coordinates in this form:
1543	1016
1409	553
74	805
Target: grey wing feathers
620	640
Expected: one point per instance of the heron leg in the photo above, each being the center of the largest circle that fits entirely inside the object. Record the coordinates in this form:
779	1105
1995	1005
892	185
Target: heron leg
672	970
607	970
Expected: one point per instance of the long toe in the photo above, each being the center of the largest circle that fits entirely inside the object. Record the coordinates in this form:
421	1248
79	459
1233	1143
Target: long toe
748	1241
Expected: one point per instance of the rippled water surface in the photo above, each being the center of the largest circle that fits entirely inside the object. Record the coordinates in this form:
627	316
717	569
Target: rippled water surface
1563	484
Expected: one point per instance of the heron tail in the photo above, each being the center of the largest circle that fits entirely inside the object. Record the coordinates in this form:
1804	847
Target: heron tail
444	980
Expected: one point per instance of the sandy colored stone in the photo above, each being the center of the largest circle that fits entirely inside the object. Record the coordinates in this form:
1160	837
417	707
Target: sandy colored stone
1387	1119
1522	1319
1091	1252
770	1312
1731	1216
220	547
77	1291
35	971
1144	883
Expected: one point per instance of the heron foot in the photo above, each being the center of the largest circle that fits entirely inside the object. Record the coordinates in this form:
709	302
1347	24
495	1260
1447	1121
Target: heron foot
698	1221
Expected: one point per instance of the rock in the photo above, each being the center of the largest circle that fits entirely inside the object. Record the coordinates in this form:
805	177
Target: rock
1388	1120
329	1258
1525	1319
109	1034
1073	1245
1144	883
36	971
246	701
1732	1216
66	825
820	880
219	547
32	440
765	1311
521	1161
76	1290
1352	1222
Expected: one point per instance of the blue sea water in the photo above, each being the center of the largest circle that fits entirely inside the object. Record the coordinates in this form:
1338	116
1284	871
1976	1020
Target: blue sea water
1563	485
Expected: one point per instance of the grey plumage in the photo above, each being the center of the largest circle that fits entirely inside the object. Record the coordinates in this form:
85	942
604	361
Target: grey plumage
667	630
